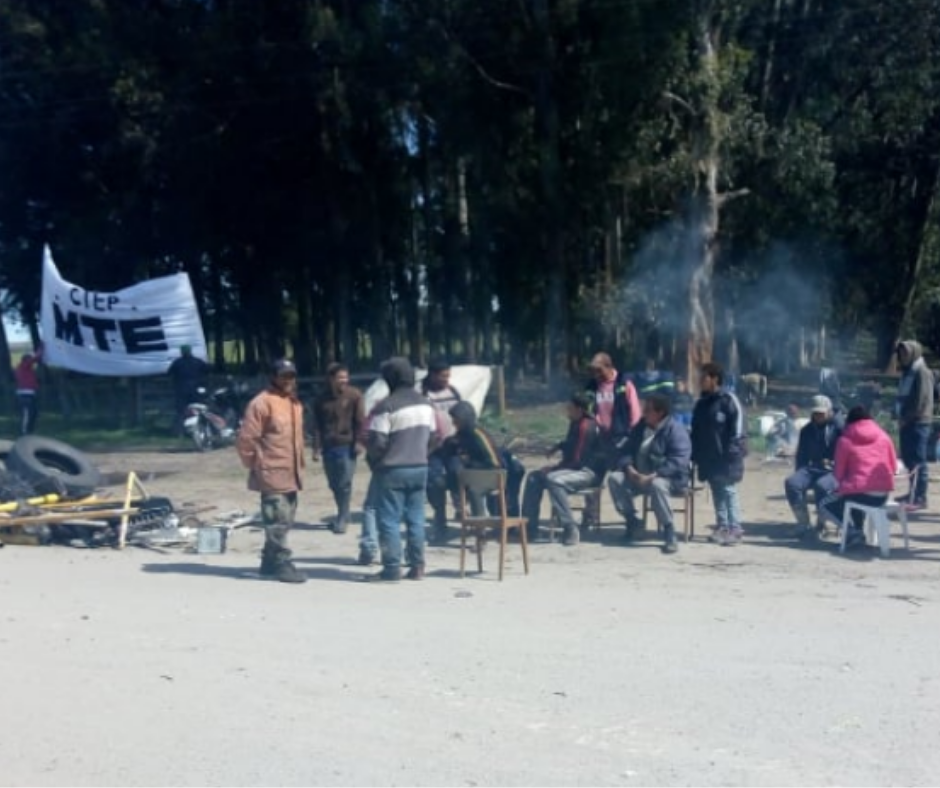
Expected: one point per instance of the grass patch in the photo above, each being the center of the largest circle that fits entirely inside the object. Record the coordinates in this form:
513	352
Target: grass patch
95	435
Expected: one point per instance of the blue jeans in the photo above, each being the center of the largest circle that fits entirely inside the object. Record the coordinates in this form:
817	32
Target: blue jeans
369	537
914	439
401	496
437	487
727	508
340	466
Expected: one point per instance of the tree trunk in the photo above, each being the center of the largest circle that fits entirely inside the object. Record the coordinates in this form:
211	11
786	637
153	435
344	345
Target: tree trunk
547	138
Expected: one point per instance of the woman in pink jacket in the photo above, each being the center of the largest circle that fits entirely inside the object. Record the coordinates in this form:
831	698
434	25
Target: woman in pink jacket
864	470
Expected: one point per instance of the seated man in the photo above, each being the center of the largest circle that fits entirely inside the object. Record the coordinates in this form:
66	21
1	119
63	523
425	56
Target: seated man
582	466
815	454
656	461
472	447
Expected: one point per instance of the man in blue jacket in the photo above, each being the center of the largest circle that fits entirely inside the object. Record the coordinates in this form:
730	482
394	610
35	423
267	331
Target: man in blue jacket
654	462
719	443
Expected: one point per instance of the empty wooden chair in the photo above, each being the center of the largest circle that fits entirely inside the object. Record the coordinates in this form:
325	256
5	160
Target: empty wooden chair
488	483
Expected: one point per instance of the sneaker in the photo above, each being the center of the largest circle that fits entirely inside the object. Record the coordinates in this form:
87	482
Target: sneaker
801	531
671	547
572	536
903	499
856	538
735	535
719	535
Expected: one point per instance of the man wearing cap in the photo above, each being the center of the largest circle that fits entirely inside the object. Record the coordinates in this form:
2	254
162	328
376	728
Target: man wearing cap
188	373
815	457
271	446
914	411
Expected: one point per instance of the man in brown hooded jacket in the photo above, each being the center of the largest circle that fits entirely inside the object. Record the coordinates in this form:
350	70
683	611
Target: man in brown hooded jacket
271	446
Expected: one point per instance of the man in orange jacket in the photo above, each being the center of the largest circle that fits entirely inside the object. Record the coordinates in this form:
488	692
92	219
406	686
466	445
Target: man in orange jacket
271	445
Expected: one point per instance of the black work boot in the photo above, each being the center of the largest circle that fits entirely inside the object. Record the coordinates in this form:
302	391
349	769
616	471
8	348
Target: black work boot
268	564
634	525
288	573
342	519
572	536
670	545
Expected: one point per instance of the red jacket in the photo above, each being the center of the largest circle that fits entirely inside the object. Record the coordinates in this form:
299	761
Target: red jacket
865	459
25	373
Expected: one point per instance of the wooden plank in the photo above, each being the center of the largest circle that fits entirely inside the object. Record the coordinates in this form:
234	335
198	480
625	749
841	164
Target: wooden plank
65	517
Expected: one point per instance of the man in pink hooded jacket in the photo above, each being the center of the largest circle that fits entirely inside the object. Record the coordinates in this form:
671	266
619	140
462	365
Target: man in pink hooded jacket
865	464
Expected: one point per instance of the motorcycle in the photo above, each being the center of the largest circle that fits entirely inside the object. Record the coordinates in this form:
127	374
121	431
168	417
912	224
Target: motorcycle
213	419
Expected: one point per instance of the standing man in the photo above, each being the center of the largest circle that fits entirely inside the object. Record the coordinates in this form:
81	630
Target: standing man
402	431
655	462
718	449
338	420
27	390
613	402
815	459
271	445
442	396
188	374
914	412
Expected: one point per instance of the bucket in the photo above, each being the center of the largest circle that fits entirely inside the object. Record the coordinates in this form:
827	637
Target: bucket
210	540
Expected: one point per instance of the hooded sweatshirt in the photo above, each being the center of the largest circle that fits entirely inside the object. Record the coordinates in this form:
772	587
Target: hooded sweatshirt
915	389
865	460
403	427
474	446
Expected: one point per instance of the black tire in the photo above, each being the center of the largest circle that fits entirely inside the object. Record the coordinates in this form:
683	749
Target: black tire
37	459
5	448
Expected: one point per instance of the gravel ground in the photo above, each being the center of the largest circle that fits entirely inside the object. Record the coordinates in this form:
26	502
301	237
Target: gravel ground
763	664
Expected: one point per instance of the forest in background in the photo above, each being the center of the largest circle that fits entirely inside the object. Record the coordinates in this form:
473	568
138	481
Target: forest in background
500	181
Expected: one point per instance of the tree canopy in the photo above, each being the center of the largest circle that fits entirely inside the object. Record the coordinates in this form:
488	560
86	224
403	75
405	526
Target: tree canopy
523	182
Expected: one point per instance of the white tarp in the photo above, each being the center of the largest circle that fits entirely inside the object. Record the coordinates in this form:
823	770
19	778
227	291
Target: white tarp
472	382
135	331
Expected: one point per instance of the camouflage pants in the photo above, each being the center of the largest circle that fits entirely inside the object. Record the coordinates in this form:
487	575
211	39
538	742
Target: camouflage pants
277	512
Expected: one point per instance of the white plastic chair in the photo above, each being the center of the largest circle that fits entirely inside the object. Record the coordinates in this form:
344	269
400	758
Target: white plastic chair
877	518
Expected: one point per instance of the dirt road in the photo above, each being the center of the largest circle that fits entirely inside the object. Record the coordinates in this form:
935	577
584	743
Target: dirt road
762	664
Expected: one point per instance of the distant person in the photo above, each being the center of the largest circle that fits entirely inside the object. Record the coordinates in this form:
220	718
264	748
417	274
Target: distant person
583	465
784	436
188	375
914	412
865	463
653	381
27	390
443	396
338	417
655	462
613	402
683	403
719	444
271	446
815	461
402	432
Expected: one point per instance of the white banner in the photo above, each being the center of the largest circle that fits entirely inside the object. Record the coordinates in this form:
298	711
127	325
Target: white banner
135	331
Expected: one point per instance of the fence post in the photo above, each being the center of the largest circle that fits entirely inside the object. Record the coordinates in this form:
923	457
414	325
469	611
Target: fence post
500	390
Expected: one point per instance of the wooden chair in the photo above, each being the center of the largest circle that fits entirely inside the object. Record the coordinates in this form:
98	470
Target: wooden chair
686	509
483	483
